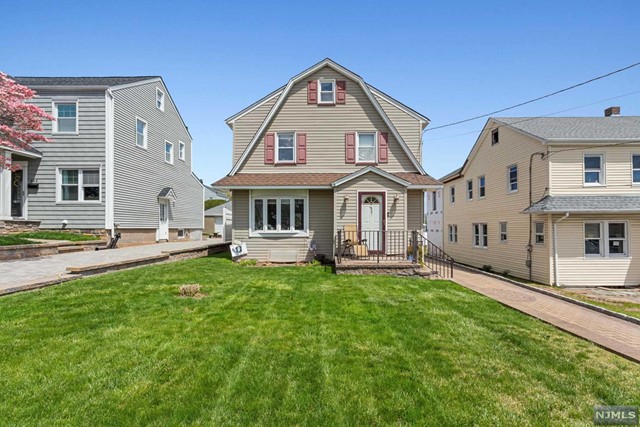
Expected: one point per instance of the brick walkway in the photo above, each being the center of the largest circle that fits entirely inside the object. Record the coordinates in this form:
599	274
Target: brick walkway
50	268
616	335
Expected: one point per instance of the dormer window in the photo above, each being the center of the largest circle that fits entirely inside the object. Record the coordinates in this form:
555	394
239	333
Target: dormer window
159	99
327	91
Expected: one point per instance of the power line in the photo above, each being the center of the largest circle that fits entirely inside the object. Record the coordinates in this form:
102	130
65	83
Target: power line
538	98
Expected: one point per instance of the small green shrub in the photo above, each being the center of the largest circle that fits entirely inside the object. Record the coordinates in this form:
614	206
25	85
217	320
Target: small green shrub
315	262
487	268
506	273
247	262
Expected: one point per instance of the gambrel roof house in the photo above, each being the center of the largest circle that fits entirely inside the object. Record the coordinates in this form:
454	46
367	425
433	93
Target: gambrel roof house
120	162
551	199
325	152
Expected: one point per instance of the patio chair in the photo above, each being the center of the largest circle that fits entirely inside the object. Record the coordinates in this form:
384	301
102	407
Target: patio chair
353	245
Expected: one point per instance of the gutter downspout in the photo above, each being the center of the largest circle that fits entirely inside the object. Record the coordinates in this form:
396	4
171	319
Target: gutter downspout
530	244
555	248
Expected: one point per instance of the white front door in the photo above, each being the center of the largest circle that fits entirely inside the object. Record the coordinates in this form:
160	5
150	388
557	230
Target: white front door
371	225
163	229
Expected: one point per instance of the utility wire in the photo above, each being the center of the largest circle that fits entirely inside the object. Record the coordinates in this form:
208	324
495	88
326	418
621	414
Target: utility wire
538	98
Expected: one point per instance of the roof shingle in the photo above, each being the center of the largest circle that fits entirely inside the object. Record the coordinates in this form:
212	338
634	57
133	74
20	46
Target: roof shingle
80	81
586	204
577	128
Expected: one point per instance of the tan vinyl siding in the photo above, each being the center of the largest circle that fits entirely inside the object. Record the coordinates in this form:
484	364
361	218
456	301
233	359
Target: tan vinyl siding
576	269
86	149
407	126
499	206
245	127
140	174
325	127
320	228
567	172
415	210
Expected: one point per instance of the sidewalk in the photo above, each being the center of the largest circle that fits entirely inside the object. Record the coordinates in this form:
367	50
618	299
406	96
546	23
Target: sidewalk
616	335
51	268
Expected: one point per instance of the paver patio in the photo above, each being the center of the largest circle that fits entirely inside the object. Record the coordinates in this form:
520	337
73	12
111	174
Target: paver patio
49	268
617	335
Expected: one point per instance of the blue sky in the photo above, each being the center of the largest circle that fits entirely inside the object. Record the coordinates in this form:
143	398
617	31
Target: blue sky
448	60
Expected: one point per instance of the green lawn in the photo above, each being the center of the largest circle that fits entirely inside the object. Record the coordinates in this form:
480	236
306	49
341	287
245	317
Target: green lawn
13	240
291	346
58	235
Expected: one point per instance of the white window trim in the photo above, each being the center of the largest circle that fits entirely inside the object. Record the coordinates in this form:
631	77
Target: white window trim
54	123
452	195
277	148
452	233
333	82
483	237
146	133
480	196
375	148
80	200
467	190
604	240
164	99
253	195
509	189
182	151
164	152
603	179
184	233
505	232
632	169
536	234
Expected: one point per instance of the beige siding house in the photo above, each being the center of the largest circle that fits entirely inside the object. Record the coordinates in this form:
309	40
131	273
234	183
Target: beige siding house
308	157
553	200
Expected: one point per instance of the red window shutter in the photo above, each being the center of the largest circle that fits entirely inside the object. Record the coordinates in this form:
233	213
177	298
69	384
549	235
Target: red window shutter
350	147
383	147
312	92
269	148
341	92
301	148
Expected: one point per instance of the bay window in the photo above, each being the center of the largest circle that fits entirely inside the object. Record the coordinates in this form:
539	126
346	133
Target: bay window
278	214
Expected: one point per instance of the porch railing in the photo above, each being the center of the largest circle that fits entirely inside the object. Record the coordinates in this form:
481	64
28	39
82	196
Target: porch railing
434	258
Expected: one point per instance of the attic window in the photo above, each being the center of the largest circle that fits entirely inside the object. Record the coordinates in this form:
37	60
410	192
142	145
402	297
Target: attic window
327	91
495	137
159	99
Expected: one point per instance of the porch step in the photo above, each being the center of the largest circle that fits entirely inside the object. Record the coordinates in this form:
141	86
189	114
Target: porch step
67	249
426	273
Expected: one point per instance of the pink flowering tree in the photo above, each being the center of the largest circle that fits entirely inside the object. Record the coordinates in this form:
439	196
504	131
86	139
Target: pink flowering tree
19	121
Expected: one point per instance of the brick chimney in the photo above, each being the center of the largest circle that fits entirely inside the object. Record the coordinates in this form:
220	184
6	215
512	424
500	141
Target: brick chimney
612	111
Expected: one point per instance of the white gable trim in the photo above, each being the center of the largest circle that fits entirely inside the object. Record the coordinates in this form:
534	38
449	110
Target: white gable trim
398	105
231	120
325	63
372	169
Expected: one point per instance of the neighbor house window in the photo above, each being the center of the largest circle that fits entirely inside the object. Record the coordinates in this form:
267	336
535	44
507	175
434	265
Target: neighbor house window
286	147
635	160
539	232
159	99
453	233
366	147
66	114
279	214
168	152
503	231
181	233
480	235
452	195
495	137
79	185
481	188
327	91
434	201
141	133
607	239
512	178
469	190
593	169
181	150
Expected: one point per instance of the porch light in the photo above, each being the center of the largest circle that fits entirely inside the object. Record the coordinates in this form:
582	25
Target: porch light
346	198
396	197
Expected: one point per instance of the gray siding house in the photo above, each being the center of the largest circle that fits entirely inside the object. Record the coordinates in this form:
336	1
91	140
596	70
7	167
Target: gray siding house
120	162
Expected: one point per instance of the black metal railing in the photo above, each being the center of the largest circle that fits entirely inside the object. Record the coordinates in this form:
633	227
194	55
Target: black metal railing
434	258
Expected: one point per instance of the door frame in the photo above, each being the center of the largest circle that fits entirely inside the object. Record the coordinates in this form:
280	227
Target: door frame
24	165
383	215
165	202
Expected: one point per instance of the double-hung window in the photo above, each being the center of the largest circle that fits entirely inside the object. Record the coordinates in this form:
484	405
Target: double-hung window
327	91
635	165
79	185
539	232
181	150
286	147
495	137
159	99
512	178
141	133
480	234
453	233
66	114
469	190
503	232
279	214
366	147
168	152
605	239
452	195
593	169
481	187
